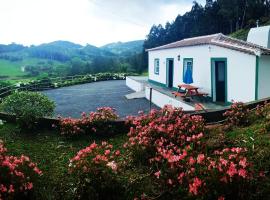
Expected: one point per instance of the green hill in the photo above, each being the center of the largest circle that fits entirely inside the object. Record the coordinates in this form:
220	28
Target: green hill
125	48
60	58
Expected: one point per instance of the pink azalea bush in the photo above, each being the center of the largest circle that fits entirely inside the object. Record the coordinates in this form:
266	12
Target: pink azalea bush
95	168
262	110
238	115
173	145
92	123
16	174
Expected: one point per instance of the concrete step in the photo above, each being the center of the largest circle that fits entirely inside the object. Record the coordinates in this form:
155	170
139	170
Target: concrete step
136	95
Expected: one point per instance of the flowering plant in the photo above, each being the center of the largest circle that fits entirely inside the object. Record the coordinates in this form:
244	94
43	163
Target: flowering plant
262	110
174	146
94	122
16	174
237	115
95	168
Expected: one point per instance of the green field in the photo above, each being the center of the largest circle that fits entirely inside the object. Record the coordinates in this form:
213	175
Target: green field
11	69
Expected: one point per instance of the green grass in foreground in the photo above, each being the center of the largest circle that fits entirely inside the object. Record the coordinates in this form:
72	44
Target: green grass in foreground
52	153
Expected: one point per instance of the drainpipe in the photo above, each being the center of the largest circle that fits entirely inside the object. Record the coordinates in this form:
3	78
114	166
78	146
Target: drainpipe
150	100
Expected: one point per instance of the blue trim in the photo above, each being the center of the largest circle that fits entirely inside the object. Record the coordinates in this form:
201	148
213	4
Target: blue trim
186	59
257	79
167	71
155	66
161	84
213	60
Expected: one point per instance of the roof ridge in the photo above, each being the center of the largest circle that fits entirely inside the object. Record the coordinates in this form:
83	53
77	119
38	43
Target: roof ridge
246	42
199	37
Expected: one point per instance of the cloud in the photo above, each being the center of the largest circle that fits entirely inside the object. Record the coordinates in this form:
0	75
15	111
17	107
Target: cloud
84	21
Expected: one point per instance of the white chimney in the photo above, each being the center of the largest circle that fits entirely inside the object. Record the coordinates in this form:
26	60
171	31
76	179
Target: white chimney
260	36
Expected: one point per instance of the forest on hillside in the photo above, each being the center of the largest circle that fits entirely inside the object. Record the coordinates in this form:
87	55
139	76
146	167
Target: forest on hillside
217	16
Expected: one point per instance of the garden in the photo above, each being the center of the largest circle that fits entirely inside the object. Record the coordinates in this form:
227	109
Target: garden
163	154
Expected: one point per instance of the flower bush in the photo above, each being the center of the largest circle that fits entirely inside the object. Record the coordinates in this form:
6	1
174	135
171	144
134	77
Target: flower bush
95	168
263	110
92	123
16	174
238	115
28	107
172	143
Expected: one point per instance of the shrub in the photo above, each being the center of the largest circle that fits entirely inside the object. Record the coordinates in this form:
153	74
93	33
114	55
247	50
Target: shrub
238	115
95	169
172	145
28	107
16	175
92	123
263	111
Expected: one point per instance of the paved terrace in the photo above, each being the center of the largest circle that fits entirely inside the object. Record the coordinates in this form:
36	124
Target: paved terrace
72	101
207	104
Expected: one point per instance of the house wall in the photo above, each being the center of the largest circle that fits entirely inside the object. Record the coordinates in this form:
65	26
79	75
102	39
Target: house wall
264	77
134	85
161	100
241	69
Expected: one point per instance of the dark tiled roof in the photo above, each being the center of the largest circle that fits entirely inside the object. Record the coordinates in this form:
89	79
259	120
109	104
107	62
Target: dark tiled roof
218	40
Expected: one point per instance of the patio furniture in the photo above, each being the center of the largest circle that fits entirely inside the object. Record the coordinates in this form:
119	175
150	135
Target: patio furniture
190	92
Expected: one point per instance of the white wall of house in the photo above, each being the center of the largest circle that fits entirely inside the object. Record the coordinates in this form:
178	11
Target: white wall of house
241	69
264	77
134	85
161	100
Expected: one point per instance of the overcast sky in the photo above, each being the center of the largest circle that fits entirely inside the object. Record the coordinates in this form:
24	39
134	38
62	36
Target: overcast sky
96	22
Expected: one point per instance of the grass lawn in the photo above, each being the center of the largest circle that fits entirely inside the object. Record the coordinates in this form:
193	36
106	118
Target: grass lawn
52	153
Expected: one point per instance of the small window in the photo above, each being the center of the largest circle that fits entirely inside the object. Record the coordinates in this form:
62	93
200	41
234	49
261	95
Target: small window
156	66
188	71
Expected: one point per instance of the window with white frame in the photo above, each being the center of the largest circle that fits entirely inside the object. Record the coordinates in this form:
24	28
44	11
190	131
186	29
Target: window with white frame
156	66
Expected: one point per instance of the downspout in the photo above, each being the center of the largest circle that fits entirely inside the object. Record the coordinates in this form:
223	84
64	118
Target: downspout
257	78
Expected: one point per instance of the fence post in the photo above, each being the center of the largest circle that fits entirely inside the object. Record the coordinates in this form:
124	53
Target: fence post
150	99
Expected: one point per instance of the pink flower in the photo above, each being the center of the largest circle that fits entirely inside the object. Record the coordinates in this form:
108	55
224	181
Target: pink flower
221	198
107	152
194	187
112	165
117	153
192	161
223	161
200	158
157	174
232	170
243	162
242	173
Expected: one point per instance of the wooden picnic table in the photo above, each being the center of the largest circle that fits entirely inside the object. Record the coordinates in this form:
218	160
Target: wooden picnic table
189	91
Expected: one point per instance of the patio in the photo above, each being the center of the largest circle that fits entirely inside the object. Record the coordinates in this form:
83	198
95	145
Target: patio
205	102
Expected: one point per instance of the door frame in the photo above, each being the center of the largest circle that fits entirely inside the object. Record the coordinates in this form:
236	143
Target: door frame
167	71
213	78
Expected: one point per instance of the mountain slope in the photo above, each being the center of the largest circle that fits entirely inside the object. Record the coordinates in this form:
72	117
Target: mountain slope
125	48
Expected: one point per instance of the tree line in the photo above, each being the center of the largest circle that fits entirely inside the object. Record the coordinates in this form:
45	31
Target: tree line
217	16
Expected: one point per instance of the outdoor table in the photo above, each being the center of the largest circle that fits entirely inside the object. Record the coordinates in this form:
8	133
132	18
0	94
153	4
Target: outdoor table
190	91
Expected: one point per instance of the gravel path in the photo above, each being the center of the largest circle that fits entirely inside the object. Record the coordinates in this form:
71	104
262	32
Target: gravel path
72	101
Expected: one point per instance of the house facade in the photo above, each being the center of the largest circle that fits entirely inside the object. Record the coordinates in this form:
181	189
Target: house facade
227	69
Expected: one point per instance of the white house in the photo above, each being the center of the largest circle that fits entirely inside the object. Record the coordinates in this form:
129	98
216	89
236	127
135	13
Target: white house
225	68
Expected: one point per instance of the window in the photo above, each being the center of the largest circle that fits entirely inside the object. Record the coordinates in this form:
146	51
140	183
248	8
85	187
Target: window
156	66
188	71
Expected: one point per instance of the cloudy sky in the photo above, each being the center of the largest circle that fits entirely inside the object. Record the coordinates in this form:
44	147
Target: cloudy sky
96	22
